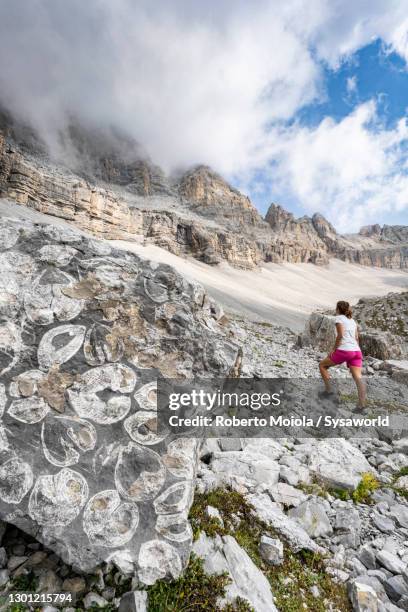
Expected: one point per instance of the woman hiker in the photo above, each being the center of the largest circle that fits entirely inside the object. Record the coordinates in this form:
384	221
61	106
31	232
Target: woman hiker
346	350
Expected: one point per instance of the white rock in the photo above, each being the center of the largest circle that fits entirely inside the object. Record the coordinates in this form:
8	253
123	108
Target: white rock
214	513
390	562
270	512
225	555
313	518
94	600
271	550
400	513
134	601
402	483
363	597
254	467
287	495
267	446
337	463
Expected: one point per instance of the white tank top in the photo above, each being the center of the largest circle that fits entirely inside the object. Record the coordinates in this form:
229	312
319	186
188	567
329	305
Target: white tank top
348	342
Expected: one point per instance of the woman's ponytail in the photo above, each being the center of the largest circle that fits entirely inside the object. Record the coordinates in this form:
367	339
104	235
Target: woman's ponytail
344	309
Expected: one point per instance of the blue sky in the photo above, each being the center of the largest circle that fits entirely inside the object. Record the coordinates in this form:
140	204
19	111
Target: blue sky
299	102
373	73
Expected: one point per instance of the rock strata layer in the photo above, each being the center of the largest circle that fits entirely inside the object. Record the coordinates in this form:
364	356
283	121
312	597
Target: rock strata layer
197	214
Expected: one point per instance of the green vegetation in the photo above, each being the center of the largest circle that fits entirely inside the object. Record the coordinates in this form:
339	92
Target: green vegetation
25	583
280	363
402	492
290	582
194	590
367	485
361	495
352	398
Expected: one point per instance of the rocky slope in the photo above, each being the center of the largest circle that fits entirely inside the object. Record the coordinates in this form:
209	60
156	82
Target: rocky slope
103	184
296	523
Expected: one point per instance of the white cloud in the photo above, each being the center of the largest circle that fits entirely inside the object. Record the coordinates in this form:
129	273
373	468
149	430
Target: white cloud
352	170
351	85
200	82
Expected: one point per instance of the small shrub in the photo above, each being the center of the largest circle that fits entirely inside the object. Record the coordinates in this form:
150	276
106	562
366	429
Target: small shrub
342	494
25	582
366	486
402	472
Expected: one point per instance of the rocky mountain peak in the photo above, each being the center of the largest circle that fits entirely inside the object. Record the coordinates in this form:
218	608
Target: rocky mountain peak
370	230
323	226
210	195
278	218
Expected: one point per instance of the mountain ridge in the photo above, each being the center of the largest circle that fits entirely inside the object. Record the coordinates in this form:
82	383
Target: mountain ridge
196	213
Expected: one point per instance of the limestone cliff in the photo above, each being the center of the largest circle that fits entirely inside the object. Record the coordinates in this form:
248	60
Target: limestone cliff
315	239
109	190
209	194
295	240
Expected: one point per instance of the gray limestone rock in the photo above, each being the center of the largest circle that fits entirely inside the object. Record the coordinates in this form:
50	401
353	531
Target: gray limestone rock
84	333
337	463
248	582
271	550
363	597
313	518
134	601
391	562
287	527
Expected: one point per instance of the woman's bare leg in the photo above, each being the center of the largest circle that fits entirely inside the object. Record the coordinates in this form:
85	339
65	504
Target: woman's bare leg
360	384
324	366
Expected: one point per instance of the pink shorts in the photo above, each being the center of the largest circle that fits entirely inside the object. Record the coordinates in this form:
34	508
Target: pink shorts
352	358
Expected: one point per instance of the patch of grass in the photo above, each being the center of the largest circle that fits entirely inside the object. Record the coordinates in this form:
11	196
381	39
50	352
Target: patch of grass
232	506
25	582
279	363
313	488
402	492
362	494
342	494
367	485
194	590
348	398
291	581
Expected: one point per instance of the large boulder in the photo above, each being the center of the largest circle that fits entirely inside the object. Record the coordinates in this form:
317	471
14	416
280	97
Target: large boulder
84	333
381	344
250	466
319	332
338	464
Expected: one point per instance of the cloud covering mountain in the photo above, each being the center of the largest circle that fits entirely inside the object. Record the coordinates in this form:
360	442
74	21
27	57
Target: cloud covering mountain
219	83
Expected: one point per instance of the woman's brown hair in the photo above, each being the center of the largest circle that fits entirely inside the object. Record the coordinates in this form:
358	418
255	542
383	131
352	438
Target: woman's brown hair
344	309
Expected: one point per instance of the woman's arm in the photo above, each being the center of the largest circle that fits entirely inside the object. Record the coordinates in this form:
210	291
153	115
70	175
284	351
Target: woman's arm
339	337
357	336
